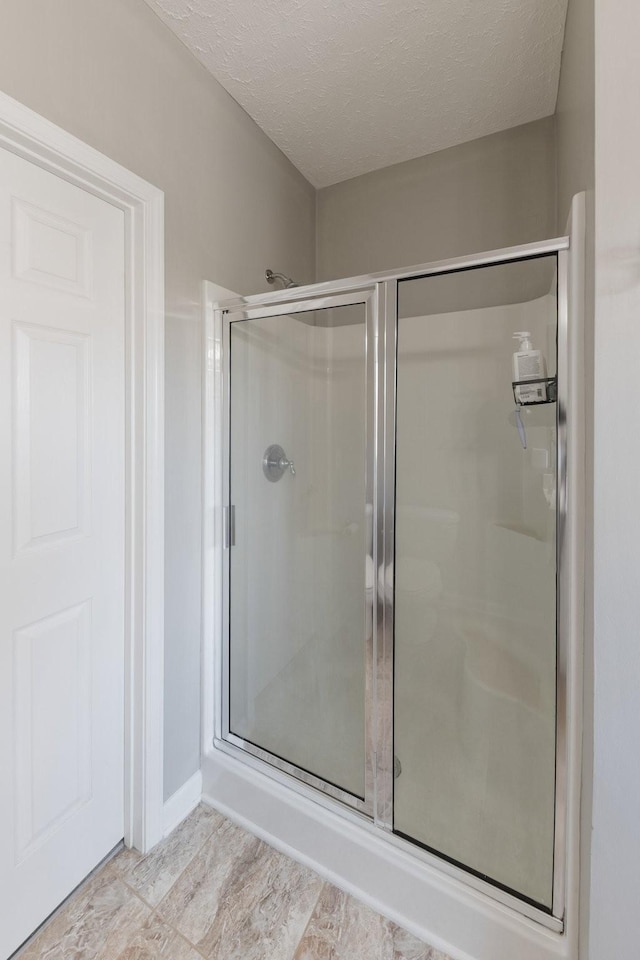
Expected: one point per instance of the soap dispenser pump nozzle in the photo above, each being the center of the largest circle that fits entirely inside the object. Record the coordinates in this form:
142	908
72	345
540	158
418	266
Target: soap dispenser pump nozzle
525	340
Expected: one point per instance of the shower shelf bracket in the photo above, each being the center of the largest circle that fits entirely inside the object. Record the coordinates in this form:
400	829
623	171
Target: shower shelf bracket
551	390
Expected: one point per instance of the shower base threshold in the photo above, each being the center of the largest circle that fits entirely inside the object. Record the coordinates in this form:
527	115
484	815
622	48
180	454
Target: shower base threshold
457	913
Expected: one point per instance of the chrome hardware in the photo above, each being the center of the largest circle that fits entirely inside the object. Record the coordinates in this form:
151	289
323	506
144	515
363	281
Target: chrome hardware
271	276
275	462
228	527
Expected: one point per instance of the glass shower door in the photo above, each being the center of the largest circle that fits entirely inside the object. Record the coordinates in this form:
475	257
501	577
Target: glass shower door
475	575
300	591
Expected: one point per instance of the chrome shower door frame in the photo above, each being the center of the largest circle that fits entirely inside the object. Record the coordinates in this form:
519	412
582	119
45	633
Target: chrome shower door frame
367	297
380	293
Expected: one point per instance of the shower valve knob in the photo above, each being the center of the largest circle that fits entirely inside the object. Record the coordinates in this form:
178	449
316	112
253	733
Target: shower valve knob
285	464
275	463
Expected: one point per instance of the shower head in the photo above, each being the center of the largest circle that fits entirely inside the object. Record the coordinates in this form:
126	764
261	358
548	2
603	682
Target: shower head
286	282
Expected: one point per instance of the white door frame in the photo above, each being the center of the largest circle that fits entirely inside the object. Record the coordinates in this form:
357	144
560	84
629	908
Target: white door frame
36	139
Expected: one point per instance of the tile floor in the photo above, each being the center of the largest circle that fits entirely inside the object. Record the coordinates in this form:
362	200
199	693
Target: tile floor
213	890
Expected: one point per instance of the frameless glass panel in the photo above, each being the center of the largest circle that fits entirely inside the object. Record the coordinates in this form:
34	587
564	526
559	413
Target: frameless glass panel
300	586
475	575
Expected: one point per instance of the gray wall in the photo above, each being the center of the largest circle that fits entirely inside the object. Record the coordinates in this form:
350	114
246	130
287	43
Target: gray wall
615	870
492	192
575	122
575	113
112	74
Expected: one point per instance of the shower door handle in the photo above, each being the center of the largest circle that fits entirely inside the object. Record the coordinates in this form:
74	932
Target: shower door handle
228	527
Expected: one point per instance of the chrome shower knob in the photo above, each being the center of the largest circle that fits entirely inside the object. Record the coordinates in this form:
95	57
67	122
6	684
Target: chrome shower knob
287	464
275	463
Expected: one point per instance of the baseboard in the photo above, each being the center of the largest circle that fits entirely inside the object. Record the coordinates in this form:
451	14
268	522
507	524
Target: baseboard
181	803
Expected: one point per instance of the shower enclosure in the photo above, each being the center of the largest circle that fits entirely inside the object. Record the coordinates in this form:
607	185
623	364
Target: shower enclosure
393	631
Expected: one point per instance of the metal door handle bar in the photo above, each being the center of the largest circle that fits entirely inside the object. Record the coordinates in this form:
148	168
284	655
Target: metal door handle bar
229	527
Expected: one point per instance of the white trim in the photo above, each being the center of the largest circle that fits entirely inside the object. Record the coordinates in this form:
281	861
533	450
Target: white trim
31	136
181	803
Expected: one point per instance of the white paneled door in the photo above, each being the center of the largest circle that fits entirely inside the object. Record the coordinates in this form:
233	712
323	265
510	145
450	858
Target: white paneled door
62	529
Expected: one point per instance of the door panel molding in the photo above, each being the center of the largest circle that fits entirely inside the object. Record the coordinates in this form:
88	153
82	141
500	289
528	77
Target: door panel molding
32	137
55	646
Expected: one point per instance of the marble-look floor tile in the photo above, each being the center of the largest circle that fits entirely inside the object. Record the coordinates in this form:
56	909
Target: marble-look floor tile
408	947
154	940
195	898
96	924
242	900
265	910
153	875
225	896
341	928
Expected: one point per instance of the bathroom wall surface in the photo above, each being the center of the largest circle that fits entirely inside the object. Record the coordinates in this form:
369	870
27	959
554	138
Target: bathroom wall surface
117	78
614	920
575	113
493	192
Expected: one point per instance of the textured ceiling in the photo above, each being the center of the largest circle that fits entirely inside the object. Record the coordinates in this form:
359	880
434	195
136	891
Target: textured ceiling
348	86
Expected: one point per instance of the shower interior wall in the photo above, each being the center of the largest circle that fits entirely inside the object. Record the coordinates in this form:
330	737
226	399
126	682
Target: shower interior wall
297	390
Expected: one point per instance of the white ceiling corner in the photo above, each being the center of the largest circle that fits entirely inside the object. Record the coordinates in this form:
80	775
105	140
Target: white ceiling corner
345	88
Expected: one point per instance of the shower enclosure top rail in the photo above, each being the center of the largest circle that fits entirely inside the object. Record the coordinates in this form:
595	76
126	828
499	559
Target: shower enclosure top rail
454	264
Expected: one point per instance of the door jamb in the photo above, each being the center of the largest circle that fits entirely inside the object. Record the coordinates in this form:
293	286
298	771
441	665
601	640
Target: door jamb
31	136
